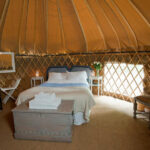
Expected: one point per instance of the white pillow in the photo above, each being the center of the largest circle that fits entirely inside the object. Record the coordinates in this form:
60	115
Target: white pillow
68	77
57	76
79	75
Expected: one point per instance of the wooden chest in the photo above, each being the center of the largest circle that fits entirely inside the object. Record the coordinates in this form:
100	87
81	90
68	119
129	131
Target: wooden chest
40	124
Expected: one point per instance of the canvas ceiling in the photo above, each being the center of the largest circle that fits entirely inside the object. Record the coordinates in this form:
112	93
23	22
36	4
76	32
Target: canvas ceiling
74	26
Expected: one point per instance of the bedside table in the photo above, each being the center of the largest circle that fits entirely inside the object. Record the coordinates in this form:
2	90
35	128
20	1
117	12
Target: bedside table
98	84
34	79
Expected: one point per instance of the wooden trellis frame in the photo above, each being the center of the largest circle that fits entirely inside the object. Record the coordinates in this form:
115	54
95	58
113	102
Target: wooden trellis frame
27	65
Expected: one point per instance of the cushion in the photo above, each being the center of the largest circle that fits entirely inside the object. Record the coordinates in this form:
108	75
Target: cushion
57	76
68	77
82	68
59	69
80	75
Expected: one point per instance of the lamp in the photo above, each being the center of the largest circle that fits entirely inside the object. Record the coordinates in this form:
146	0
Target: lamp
93	73
37	73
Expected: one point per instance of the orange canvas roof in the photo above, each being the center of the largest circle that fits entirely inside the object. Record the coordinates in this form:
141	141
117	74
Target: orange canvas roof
74	26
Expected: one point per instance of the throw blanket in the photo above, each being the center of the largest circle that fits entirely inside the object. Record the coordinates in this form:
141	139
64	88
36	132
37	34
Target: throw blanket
82	96
64	85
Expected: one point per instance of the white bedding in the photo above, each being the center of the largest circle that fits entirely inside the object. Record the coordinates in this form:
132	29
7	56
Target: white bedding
82	96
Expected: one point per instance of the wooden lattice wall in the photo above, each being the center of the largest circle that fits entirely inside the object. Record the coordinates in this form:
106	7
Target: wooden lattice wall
26	67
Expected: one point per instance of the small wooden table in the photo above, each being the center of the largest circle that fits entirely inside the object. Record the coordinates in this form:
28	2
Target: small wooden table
99	83
145	100
34	79
44	124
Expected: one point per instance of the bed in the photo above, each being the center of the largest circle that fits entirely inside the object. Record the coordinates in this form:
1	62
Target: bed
68	84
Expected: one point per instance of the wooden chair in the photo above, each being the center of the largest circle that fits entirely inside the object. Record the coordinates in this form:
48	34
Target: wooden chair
145	100
10	90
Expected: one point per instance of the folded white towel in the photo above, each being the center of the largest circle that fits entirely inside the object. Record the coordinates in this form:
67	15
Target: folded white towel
57	102
42	107
42	95
45	101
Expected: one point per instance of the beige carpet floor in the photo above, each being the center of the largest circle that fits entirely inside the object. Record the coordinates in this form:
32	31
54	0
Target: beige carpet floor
111	127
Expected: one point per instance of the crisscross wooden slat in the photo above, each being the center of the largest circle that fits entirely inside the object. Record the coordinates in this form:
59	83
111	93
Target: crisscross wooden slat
119	86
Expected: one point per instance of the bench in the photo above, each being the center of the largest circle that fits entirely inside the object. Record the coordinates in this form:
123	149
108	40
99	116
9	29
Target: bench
145	100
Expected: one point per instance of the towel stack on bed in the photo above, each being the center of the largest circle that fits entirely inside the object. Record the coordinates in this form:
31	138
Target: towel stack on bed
45	101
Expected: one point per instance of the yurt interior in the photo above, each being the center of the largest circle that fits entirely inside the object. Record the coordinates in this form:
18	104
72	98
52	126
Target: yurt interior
74	74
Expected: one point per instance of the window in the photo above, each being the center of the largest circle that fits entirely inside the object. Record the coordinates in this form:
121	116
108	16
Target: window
124	79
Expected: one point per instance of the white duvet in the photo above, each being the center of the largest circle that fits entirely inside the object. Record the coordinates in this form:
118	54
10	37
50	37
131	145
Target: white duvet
82	96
